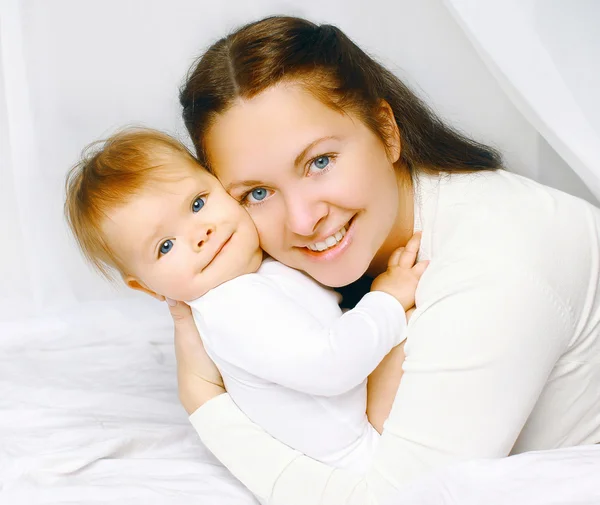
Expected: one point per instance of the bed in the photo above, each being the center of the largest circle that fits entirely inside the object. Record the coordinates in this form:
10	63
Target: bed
89	414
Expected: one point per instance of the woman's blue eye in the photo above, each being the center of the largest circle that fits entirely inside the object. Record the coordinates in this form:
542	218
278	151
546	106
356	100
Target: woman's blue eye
258	194
320	163
198	204
166	246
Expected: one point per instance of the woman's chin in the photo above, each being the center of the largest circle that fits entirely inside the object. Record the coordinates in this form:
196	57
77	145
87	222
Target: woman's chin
334	276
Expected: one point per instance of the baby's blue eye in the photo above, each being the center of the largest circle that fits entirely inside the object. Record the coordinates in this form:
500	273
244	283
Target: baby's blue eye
319	163
166	246
198	204
258	194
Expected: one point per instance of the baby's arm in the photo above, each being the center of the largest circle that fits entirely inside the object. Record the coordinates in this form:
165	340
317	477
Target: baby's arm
271	336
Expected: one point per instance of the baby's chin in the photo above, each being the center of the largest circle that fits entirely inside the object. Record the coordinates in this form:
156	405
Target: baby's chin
186	294
195	292
213	277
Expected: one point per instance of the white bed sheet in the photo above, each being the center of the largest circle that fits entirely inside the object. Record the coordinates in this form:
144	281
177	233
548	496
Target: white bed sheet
89	414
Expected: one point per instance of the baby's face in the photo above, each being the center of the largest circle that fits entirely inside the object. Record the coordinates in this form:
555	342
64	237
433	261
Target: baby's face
182	235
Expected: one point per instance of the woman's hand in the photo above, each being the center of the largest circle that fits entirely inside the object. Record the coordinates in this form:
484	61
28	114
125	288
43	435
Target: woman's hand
198	378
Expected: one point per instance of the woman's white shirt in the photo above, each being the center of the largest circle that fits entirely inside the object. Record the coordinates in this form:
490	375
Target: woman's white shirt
502	355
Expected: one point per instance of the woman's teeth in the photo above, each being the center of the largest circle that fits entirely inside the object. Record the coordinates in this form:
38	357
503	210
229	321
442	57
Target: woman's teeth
329	241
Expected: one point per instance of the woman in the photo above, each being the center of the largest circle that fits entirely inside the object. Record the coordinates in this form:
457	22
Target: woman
313	136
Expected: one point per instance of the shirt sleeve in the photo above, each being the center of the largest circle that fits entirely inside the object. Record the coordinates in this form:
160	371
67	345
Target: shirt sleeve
272	337
479	351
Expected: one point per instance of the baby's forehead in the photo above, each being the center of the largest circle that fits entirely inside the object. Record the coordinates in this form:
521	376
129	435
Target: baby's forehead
178	171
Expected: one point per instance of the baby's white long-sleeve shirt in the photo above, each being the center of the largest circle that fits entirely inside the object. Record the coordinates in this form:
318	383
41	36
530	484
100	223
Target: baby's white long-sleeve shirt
294	363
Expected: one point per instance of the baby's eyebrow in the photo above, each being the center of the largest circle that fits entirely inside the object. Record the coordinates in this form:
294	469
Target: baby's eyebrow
151	238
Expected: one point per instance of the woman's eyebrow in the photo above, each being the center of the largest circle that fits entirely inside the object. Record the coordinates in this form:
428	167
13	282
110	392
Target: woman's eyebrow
242	184
297	161
304	151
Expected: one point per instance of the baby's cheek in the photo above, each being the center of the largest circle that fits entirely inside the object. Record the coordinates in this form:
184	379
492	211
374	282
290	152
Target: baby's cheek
185	282
171	283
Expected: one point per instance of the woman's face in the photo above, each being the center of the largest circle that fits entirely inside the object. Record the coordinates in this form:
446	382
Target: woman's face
319	185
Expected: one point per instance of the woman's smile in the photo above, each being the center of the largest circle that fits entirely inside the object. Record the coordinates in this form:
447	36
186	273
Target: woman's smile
333	246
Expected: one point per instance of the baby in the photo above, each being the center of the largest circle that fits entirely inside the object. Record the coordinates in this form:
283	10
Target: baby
142	206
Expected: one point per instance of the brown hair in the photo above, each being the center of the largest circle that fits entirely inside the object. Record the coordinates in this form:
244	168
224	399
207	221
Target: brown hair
339	73
108	174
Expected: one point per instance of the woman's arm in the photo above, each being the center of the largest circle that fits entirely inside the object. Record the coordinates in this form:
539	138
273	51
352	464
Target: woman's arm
480	349
198	378
383	385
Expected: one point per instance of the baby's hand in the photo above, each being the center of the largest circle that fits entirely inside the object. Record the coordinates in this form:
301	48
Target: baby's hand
402	276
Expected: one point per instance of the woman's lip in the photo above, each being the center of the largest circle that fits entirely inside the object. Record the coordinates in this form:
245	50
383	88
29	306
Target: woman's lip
218	251
333	232
335	251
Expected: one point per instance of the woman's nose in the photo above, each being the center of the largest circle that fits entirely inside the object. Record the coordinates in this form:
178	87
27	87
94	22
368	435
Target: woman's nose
303	217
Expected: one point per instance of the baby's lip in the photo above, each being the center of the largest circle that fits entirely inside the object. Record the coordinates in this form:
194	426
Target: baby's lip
218	251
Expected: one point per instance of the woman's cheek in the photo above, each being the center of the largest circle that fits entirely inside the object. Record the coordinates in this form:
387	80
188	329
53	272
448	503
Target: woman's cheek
265	237
270	234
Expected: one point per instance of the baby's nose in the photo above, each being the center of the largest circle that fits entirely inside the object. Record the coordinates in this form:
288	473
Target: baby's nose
205	236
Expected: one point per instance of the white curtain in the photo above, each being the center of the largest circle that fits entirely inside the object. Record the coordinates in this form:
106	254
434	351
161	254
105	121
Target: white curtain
546	56
519	74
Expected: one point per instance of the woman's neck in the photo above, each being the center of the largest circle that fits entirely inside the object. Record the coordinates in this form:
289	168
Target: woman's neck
402	230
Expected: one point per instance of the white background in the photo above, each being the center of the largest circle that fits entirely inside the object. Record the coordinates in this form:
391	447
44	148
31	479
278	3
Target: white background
72	71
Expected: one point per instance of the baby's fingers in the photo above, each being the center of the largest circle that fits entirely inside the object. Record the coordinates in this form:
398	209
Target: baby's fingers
395	257
420	267
408	257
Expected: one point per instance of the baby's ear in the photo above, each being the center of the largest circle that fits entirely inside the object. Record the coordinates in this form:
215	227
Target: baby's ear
134	283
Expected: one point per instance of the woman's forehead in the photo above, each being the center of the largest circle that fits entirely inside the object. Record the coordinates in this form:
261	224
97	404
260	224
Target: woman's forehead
273	127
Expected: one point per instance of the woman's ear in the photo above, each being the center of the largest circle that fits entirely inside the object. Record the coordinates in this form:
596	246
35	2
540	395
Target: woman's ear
134	283
391	131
